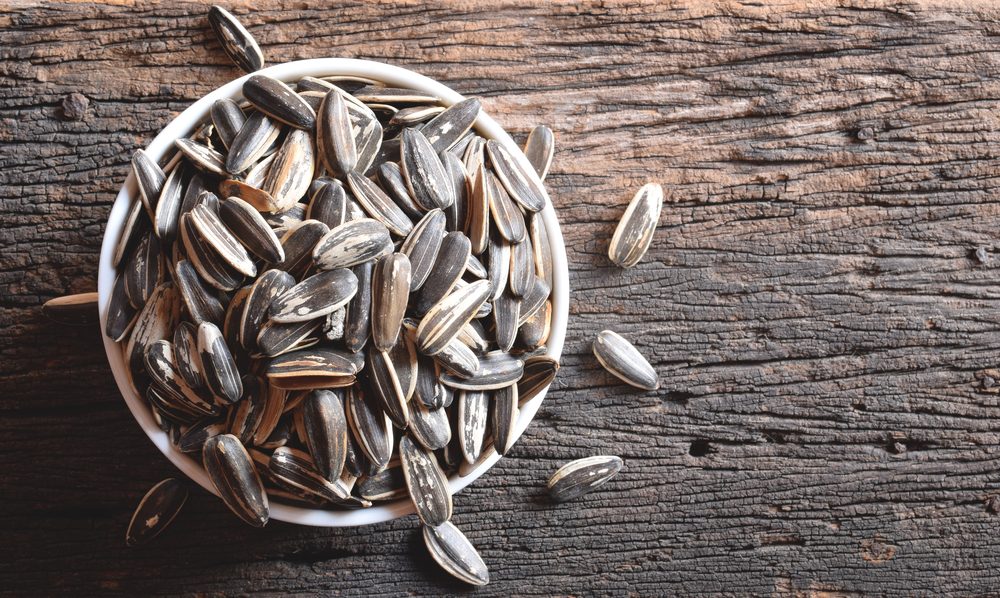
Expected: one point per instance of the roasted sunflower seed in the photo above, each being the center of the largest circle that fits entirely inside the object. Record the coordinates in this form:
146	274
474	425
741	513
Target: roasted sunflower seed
299	243
496	370
452	258
444	320
426	483
169	206
430	427
279	101
372	429
315	296
378	205
235	478
634	232
149	178
448	127
221	374
228	118
506	310
426	178
352	243
291	172
539	149
296	469
73	310
236	41
386	388
202	156
473	407
254	138
455	554
217	236
522	185
507	216
156	511
201	303
422	245
136	225
156	321
390	294
539	372
388	483
579	477
334	135
391	178
504	412
247	225
620	358
326	431
278	339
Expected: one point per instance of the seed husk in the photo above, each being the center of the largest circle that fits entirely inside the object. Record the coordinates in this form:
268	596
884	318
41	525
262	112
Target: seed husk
634	232
136	225
236	479
149	178
202	156
386	484
326	431
314	365
215	234
422	246
357	328
156	321
292	170
169	206
458	359
247	225
329	205
334	135
507	216
252	141
392	181
504	412
452	258
228	119
271	415
473	407
72	310
451	125
284	221
477	225
236	41
378	205
315	296
201	304
523	186
430	427
299	243
522	268
426	179
279	101
390	294
455	554
156	511
579	477
506	310
221	374
377	94
624	361
276	339
296	469
121	315
352	243
496	370
386	388
539	149
443	322
255	196
372	429
426	483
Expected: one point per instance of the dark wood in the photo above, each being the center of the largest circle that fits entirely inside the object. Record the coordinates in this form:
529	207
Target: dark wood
814	299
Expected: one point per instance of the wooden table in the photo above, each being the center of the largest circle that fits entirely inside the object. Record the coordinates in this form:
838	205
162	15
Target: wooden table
821	299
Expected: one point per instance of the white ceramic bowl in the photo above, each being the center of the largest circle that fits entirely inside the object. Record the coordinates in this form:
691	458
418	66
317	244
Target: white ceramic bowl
183	125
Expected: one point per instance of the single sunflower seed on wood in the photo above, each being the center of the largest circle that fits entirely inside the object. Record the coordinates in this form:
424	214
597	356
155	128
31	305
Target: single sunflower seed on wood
352	243
378	205
73	310
202	156
444	320
201	303
357	320
496	370
504	412
121	315
507	216
215	234
390	295
292	170
236	41
334	135
156	511
149	178
247	225
235	478
539	149
315	296
326	431
372	429
620	358
452	257
579	477
455	554
228	118
445	129
634	232
522	185
473	407
426	483
422	245
279	101
426	178
252	141
221	374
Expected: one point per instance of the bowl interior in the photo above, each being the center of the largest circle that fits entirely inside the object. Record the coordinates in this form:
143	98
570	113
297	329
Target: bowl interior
183	125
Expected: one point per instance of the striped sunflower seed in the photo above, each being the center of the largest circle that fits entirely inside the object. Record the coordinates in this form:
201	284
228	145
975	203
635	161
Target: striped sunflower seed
390	294
386	484
315	296
194	438
477	220
236	41
444	320
426	483
522	185
452	258
503	415
507	216
533	300
72	310
228	118
156	321
299	243
201	303
378	205
634	232
279	101
352	243
278	339
579	477
456	213
430	427
221	374
334	135
473	407
455	554
292	170
296	469
372	429
236	479
384	384
161	365
202	156
156	511
270	416
496	370
377	94
498	262
326	431
414	115
391	179
539	372
458	359
426	179
522	268
169	206
476	268
541	248
254	138
422	246
136	225
534	332
270	285
245	417
428	390
451	125
217	236
150	179
250	228
121	315
143	271
357	328
506	310
329	204
620	358
539	149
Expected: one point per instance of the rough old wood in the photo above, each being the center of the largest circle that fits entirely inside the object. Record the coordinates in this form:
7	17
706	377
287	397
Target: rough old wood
814	299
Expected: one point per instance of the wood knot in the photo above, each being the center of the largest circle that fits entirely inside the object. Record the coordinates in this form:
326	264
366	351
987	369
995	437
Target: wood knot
74	106
992	503
865	134
876	550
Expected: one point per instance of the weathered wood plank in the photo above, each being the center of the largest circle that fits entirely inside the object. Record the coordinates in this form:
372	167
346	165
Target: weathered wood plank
812	299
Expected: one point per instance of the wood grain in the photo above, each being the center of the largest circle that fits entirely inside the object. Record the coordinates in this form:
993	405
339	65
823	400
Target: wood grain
828	420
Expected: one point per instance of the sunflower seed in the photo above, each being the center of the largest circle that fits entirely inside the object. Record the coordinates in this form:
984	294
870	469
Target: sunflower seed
228	119
414	115
246	415
504	416
372	430
455	554
634	232
352	243
161	365
444	320
456	212
143	271
253	232
254	138
429	427
533	300
376	94
422	246
169	206
426	179
235	478
329	205
523	186
149	178
156	321
449	126
202	156
498	262
388	151
215	234
73	310
522	268
357	319
390	292
620	358
323	366
334	135
539	149
194	438
279	101
386	389
201	304
234	314
136	225
452	258
473	407
258	198
236	41
299	244
377	205
428	390
315	296
404	360
270	416
367	132
296	469
326	431
477	225
458	150
386	484
496	370
506	310
156	511
534	332
121	315
284	221
474	157
426	483
458	359
507	216
355	463
473	336
541	248
579	477
291	172
263	292
391	179
221	374
278	339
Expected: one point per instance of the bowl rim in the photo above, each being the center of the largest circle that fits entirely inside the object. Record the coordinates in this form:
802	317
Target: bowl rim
183	124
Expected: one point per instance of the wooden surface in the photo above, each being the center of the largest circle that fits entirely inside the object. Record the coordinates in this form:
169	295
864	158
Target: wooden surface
828	421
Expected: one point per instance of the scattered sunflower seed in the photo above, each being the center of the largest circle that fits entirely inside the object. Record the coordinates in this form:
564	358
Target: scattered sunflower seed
236	41
156	511
455	554
634	232
619	357
73	310
579	477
